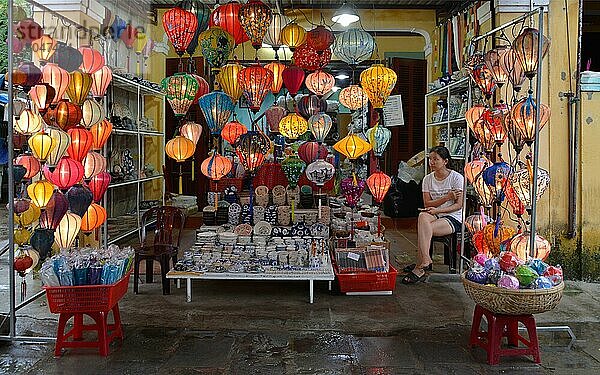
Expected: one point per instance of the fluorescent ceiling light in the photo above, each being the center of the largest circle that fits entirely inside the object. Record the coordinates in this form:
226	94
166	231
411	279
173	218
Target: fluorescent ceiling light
342	76
345	15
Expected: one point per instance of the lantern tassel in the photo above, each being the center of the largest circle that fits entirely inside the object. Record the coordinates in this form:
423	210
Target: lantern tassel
378	223
293	210
193	167
320	203
23	289
180	180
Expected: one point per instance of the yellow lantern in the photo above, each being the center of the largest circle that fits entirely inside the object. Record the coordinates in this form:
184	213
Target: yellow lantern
93	164
67	230
140	42
62	140
21	236
293	125
40	193
29	122
93	218
27	218
92	113
44	48
180	148
352	146
293	35
277	68
79	86
191	131
228	79
378	83
41	144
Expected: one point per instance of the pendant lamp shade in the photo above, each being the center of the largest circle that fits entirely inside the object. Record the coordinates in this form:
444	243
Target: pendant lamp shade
524	114
309	58
255	82
232	131
320	38
255	18
484	79
56	77
227	16
250	149
319	172
67	230
79	86
379	183
29	122
202	12
293	167
274	114
180	90
56	208
79	197
293	35
474	168
293	126
92	112
354	46
217	107
273	35
378	83
493	61
353	97
513	69
93	164
203	87
229	81
180	148
67	57
100	133
62	140
67	173
191	131
311	151
41	144
277	69
81	143
352	146
526	46
319	82
320	125
44	48
180	26
217	44
100	81
93	218
379	137
519	245
65	115
92	60
216	166
522	182
293	77
42	96
98	185
40	193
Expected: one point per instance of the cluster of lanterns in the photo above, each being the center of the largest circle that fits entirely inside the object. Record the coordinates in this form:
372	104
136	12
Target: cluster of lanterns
60	166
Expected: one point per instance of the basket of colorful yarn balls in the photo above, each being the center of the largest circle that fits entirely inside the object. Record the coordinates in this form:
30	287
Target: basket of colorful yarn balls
508	285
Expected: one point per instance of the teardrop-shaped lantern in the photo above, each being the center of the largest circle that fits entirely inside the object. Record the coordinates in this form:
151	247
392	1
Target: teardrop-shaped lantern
319	172
100	133
229	81
203	87
65	115
30	163
67	230
29	122
227	16
310	105
277	69
524	114
41	144
484	79
180	148
101	79
513	199
217	107
352	189
485	194
354	46
67	173
319	82
493	61
93	164
56	208
255	17
99	184
216	166
92	112
93	218
40	192
522	183
41	241
320	125
92	60
353	97
474	168
202	13
320	38
293	77
378	83
293	167
511	65
191	131
274	114
79	86
255	82
514	134
180	26
129	36
62	140
379	183
79	197
496	177
379	138
232	131
42	96
251	150
217	44
67	57
81	143
352	146
293	35
56	77
180	90
526	46
273	35
44	48
293	126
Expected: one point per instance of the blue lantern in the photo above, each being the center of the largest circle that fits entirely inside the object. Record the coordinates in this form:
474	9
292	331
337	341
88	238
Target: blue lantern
117	28
496	177
354	46
202	13
379	137
217	107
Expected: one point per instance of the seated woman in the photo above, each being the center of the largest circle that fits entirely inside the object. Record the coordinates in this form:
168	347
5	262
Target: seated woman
442	215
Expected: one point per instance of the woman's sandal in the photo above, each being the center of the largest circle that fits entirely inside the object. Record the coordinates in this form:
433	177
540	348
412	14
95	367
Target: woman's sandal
411	278
411	267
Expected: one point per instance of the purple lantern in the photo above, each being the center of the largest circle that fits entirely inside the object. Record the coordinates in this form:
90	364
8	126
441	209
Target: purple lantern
80	197
352	188
55	210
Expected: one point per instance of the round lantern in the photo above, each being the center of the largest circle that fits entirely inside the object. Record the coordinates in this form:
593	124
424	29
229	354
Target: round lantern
93	164
56	208
354	46
522	181
29	122
62	140
92	60
100	81
274	115
180	26
94	217
27	75
28	30
524	117
100	133
293	35
353	97
293	77
308	58
319	82
293	167
44	48
273	35
99	184
227	17
292	126
216	166
67	57
319	172
67	173
494	235
379	183
203	87
475	223
277	69
485	194
180	148
40	145
217	44
378	83
92	113
180	90
255	17
310	105
191	131
229	81
352	189
79	86
251	151
42	96
492	60
81	143
311	151
379	137
40	192
30	163
320	125
56	77
352	146
512	67
519	245
67	230
474	168
484	79
320	38
477	124
202	12
526	46
217	107
232	131
255	82
79	197
514	134
65	115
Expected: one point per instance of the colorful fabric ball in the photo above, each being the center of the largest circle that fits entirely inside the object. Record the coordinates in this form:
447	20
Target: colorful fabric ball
538	266
526	275
491	264
480	258
542	282
495	275
477	274
508	282
508	261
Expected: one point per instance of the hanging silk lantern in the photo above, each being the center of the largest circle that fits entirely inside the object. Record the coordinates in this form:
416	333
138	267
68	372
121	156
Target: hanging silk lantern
293	126
509	61
293	167
293	35
354	46
522	181
42	240
524	114
98	185
514	134
293	77
379	183
129	35
308	58
217	107
27	218
493	119
101	79
65	115
319	82
519	245
40	145
21	237
202	13
494	235
30	163
255	82
484	79
140	42
251	148
352	189
79	86
81	143
67	230
216	44
379	138
79	197
28	30
320	125
475	223
93	164
92	113
67	57
27	75
273	35
216	166
320	38
180	148
100	133
29	122
474	116
21	205
496	177
229	81
232	131
93	218
42	96
180	90
274	115
311	105
485	194
44	48
277	69
474	168
492	60
56	208
62	140
477	124
311	151
92	60
255	17
513	199
353	97
352	146
319	172
56	77
67	173
526	47
40	192
203	87
227	17
180	27
378	83
19	172
191	131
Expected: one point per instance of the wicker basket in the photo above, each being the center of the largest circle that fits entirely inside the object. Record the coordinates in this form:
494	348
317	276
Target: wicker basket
513	302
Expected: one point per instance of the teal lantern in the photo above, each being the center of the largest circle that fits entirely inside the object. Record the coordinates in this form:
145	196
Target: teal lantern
354	46
180	91
379	137
293	167
216	44
217	107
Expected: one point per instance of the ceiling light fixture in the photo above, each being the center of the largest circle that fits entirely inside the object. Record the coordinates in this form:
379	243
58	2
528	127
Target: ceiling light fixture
342	76
345	15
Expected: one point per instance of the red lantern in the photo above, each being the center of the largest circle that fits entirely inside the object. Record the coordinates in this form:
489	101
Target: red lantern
92	60
232	130
81	143
42	96
255	17
203	88
308	58
311	151
56	77
216	166
66	115
277	68
180	26
320	38
129	35
100	133
379	183
484	79
67	173
30	163
293	77
494	121
274	115
255	82
100	81
513	199
319	82
99	184
226	16
22	263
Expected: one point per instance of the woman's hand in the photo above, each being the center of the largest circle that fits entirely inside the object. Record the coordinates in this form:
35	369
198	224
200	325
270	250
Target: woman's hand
433	210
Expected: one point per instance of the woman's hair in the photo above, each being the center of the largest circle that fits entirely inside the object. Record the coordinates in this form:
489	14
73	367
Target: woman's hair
444	154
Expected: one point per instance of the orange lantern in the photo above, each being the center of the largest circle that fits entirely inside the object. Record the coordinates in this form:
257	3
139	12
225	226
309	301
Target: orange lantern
474	168
79	86
232	130
93	164
100	133
93	218
92	60
277	68
44	48
100	80
478	241
484	79
191	131
81	143
56	77
65	115
319	82
216	166
524	116
31	164
353	97
41	96
379	183
352	146
520	246
180	148
41	144
493	239
255	82
476	122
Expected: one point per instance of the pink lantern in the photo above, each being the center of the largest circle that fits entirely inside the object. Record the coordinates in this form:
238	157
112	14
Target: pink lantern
274	115
352	189
67	173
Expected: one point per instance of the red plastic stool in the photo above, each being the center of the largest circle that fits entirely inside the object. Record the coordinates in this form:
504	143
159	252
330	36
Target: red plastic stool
499	326
106	332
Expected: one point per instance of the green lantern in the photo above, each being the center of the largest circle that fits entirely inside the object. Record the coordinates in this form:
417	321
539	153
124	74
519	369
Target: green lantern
217	44
379	137
293	167
180	90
